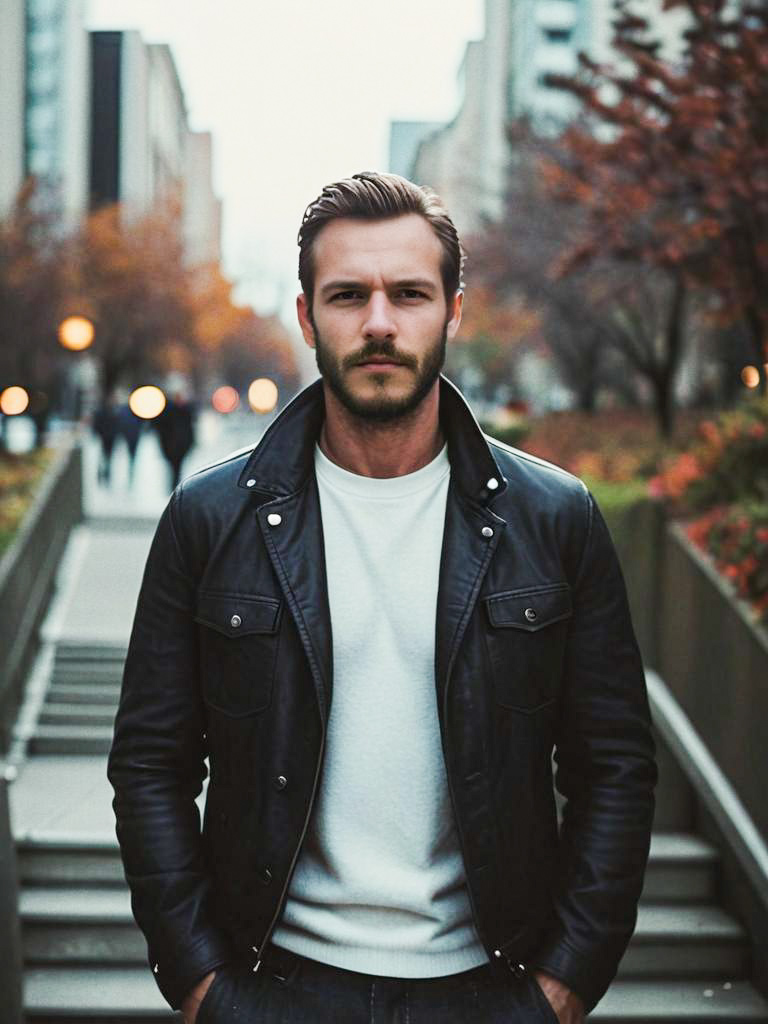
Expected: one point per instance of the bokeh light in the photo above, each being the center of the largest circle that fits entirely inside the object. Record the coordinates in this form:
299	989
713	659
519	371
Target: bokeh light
262	395
13	400
147	402
225	399
750	376
76	333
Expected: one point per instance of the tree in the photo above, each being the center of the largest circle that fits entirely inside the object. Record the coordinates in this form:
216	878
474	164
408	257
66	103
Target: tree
256	346
30	296
670	162
129	278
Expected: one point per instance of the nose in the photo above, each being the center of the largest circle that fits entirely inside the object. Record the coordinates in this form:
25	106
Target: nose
379	322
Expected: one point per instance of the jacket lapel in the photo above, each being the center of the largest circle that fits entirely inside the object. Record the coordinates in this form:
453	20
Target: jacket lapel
465	558
296	549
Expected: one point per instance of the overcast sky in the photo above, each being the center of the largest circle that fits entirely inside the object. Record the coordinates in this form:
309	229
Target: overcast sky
298	93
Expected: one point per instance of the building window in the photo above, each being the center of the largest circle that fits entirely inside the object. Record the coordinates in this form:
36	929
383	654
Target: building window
557	35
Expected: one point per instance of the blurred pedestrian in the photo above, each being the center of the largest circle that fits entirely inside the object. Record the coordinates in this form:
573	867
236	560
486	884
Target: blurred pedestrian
105	426
129	428
175	429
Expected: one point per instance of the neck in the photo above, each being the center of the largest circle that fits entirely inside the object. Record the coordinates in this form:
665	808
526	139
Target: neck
382	449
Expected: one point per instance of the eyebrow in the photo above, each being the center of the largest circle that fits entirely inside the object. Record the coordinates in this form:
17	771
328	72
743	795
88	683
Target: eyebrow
412	282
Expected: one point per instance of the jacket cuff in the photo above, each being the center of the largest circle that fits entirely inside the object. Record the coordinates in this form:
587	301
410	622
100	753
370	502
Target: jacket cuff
177	978
581	974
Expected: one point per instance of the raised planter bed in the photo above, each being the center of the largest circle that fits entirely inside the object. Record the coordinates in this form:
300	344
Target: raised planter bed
27	571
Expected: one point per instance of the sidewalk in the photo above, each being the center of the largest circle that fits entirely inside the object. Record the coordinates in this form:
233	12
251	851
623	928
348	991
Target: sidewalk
67	795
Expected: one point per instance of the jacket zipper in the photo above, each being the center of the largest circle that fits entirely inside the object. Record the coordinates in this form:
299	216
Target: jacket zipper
259	950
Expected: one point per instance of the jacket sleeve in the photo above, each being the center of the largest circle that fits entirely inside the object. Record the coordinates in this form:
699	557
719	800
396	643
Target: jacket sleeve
607	773
156	767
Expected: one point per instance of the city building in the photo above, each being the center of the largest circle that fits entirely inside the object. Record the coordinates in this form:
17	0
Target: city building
546	37
202	209
465	161
57	101
405	137
138	152
12	77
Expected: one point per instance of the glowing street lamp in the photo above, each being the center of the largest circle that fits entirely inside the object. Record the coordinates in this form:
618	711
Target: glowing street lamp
147	402
225	399
262	395
750	376
76	333
14	400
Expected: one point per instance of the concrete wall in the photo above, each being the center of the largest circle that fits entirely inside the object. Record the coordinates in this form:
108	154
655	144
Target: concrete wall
703	643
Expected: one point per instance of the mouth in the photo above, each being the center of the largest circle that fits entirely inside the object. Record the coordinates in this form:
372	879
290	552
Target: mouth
379	363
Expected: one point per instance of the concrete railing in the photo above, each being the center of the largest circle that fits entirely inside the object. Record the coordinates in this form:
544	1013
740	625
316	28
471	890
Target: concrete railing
10	932
27	572
704	644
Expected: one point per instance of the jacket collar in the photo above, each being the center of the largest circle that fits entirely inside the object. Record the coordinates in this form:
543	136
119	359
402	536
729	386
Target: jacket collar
285	456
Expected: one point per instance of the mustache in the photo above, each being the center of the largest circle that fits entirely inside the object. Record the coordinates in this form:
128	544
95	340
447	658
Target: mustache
381	349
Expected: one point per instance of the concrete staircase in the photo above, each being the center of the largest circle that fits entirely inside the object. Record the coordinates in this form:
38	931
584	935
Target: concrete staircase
81	701
85	960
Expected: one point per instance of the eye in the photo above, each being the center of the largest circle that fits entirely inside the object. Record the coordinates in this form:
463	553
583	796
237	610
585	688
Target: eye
412	293
346	296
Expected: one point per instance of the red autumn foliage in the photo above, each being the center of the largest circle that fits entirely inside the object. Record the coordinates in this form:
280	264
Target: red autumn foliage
671	162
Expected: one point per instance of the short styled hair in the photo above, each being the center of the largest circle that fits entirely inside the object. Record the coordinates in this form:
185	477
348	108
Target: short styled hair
373	196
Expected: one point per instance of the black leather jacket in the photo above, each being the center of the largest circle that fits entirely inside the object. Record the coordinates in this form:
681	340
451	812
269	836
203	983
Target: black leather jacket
230	659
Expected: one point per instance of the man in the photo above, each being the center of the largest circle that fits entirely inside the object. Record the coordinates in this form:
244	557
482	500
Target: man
377	625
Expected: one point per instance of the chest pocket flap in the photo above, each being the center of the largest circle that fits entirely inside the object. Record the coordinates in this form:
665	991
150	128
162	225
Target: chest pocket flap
531	609
237	615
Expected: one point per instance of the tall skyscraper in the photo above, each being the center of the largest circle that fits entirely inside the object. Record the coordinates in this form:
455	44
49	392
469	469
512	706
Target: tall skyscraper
12	76
57	101
138	123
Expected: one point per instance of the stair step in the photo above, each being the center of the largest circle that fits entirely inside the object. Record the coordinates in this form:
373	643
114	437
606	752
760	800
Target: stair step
80	863
87	675
76	714
96	926
71	739
686	941
74	994
67	651
681	1002
681	867
89	693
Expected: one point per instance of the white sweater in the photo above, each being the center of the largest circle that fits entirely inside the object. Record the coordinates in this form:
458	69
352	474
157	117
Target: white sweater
379	886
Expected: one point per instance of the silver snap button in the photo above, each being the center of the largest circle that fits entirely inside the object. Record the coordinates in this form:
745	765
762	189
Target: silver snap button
235	621
156	968
250	483
492	484
266	876
487	531
281	782
274	519
497	953
530	614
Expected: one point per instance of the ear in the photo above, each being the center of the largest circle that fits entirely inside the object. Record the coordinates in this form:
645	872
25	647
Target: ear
457	304
302	311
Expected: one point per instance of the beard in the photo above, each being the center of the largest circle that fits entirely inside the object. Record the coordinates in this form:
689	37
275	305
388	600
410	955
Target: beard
382	407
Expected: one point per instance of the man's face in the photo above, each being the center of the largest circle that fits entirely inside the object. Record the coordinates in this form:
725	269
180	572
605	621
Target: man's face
379	322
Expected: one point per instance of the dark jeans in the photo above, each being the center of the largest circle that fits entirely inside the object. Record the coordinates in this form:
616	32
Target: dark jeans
291	989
